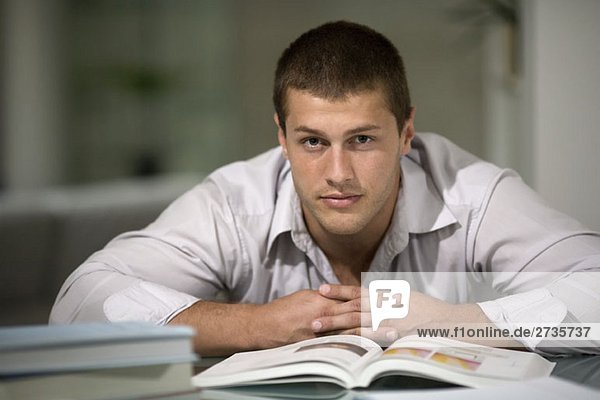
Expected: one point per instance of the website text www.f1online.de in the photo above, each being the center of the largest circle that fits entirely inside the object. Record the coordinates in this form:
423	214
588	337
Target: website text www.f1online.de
568	331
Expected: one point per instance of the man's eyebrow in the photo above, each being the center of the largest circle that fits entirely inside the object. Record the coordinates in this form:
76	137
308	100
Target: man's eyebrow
362	129
353	131
306	129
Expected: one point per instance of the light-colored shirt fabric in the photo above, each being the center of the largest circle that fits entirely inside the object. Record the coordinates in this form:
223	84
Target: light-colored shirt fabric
241	233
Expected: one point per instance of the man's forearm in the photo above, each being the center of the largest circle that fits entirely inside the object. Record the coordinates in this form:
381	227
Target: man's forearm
472	316
222	329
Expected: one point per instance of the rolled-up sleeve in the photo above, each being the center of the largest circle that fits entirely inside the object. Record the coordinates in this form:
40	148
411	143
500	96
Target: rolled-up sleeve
157	272
544	263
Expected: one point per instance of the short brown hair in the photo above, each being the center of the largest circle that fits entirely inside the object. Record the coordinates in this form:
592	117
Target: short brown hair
338	59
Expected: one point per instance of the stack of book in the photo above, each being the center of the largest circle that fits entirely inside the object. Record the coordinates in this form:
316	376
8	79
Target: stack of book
95	361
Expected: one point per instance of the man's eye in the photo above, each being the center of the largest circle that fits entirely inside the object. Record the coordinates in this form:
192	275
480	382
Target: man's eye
362	139
312	142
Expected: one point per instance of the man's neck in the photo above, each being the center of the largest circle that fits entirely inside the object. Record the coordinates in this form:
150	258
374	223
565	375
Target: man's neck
351	258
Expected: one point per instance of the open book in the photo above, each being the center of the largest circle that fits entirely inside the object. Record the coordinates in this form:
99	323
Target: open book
352	361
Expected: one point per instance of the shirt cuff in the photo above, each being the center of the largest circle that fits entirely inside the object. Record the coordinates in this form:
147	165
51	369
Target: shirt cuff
146	301
537	306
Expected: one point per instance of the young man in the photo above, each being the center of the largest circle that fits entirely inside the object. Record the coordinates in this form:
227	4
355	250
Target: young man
351	189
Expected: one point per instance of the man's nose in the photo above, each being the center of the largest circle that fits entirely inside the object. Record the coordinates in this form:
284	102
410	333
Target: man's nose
339	167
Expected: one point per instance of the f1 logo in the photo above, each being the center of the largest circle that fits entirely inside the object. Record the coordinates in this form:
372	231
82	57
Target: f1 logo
389	299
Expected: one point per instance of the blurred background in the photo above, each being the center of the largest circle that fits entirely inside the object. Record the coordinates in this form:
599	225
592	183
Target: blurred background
112	108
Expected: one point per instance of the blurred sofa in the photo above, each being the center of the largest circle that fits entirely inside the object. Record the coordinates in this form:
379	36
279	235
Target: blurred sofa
46	234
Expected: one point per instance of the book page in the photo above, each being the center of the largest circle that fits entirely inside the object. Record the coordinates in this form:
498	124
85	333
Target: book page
469	359
341	350
336	356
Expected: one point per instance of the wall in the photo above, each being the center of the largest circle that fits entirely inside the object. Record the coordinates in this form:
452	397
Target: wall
562	104
32	97
105	89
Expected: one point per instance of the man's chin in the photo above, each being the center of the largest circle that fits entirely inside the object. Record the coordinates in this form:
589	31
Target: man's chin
342	228
336	222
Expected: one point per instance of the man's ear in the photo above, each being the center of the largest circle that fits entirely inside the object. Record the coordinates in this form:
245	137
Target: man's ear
408	132
281	136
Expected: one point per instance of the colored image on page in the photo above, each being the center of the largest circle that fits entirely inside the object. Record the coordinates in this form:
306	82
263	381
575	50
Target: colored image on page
441	358
407	351
455	361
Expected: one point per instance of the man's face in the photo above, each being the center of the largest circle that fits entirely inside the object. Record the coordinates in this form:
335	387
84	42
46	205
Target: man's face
345	160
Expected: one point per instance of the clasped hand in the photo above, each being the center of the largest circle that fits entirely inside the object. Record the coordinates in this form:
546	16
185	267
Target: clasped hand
342	309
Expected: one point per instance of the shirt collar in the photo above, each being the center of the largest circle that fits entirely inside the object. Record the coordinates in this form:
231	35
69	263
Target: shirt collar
288	214
420	209
285	206
425	211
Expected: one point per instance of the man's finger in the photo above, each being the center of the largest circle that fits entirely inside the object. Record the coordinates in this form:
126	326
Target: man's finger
354	305
342	292
338	322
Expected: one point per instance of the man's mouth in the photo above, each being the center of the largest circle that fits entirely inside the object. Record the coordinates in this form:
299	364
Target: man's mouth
340	200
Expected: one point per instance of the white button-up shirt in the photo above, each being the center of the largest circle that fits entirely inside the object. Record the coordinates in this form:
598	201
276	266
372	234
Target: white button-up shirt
241	232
